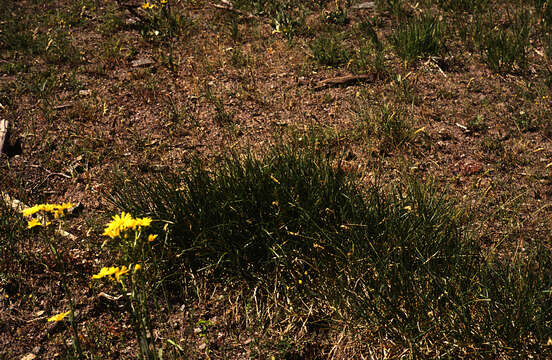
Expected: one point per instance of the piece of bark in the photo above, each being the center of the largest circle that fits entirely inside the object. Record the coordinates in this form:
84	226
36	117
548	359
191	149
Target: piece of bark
341	80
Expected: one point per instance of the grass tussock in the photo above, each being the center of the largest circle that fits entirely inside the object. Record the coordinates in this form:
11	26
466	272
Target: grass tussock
397	259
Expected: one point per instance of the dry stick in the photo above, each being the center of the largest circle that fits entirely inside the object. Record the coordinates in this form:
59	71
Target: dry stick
343	80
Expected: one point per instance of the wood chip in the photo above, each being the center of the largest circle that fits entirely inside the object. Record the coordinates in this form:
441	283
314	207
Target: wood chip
142	62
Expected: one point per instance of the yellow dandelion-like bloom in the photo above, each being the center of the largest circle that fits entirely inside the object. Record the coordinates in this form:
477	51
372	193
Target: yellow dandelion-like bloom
163	1
124	222
121	272
56	209
152	237
59	317
137	267
118	224
145	222
59	210
34	222
32	210
48	207
147	5
106	271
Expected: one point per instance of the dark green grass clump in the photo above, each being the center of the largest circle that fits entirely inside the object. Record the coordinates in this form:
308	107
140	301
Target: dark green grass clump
396	259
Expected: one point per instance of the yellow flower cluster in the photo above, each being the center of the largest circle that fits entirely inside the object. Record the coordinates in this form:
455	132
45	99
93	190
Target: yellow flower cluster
124	222
56	209
115	273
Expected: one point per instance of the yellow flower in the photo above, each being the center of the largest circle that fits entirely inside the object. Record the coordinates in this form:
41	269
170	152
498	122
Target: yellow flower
124	222
59	317
147	5
57	210
137	267
163	1
143	222
121	272
105	271
34	222
48	207
152	237
32	210
118	224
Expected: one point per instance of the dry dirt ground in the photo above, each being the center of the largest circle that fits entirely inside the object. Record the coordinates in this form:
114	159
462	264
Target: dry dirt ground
84	104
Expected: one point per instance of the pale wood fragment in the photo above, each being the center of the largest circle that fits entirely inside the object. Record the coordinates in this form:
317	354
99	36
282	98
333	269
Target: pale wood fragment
343	80
3	132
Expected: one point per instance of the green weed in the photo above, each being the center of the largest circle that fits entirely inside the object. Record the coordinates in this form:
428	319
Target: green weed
477	124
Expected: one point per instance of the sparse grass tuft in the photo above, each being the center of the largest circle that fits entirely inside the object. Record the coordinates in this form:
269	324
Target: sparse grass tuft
13	258
505	49
419	37
462	5
388	125
329	50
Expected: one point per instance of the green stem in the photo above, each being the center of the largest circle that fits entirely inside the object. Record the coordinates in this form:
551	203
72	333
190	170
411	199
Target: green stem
76	343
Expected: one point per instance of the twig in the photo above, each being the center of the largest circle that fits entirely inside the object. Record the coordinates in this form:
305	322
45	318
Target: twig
51	173
343	80
109	297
